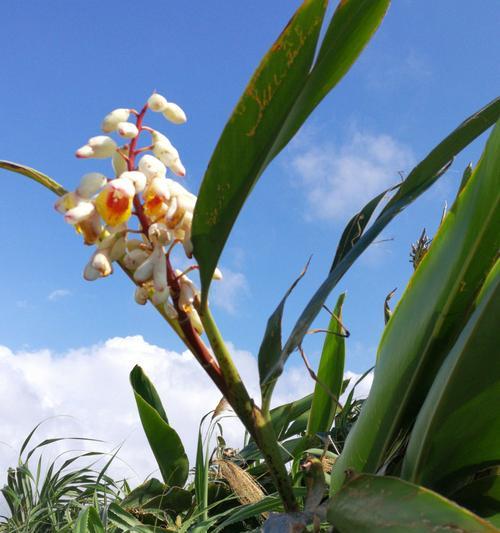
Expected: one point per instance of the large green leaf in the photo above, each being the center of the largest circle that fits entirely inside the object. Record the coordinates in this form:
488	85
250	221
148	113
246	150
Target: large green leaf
457	430
330	375
429	317
419	179
372	504
281	94
36	175
482	496
165	443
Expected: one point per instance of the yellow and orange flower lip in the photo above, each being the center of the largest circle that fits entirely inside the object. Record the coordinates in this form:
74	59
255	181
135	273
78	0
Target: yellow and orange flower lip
114	203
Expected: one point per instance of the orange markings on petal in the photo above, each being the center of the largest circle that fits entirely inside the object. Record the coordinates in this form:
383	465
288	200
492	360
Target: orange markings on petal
114	206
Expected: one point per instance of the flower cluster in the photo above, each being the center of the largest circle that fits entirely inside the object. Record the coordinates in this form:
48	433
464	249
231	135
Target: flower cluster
102	208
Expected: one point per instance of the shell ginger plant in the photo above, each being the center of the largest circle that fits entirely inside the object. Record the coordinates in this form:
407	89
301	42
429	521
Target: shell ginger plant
138	216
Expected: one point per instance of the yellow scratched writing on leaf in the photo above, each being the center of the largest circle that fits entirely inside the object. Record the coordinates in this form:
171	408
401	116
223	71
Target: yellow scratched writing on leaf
222	190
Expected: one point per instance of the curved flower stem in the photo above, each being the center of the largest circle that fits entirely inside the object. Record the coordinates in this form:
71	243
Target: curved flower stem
257	423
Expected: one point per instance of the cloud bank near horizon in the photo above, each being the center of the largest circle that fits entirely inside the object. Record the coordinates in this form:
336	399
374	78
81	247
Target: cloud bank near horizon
86	393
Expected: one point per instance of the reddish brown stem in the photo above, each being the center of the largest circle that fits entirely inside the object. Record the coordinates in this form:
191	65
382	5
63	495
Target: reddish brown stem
199	349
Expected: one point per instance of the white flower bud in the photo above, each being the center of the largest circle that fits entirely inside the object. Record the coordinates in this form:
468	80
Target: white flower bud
174	113
135	258
165	152
217	275
118	249
101	262
195	320
160	271
158	233
111	120
118	162
157	102
137	178
99	147
152	167
141	295
90	184
90	273
157	137
187	295
160	297
145	271
177	167
170	311
80	212
127	130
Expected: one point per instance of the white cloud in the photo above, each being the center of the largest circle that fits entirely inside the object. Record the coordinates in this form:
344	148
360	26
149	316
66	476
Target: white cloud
58	294
227	292
90	385
339	180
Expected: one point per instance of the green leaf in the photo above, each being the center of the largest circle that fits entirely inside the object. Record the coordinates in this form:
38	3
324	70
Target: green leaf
165	443
281	94
457	431
330	375
372	504
88	521
270	349
142	385
429	317
153	494
419	179
36	175
482	497
240	155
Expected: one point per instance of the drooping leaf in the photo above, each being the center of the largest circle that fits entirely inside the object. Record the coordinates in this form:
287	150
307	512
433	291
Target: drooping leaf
270	349
164	441
280	96
482	496
36	175
419	179
373	504
437	304
153	494
128	522
330	375
463	404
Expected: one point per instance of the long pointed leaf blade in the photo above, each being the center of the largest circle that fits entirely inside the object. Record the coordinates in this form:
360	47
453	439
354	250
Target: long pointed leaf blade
373	504
142	385
270	349
36	175
239	158
330	375
462	405
437	304
352	26
419	179
165	443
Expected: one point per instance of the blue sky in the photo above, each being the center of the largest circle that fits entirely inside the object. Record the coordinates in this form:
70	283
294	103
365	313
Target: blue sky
66	64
